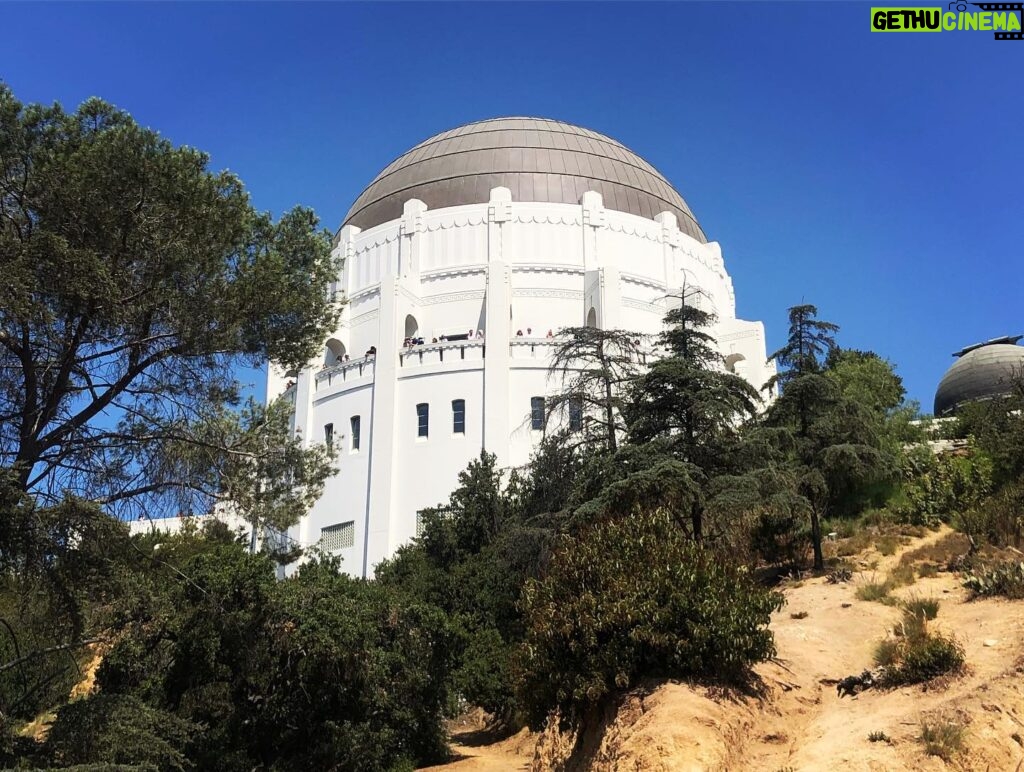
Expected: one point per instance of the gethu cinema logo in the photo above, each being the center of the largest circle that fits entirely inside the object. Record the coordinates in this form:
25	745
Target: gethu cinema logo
1003	19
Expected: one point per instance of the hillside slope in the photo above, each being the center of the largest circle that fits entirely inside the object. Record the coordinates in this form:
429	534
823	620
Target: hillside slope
798	722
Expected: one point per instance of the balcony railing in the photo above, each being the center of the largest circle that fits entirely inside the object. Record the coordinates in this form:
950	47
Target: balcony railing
345	371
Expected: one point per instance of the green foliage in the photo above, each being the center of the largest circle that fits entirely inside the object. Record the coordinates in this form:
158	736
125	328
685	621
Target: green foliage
836	445
997	428
938	488
119	729
135	281
879	737
921	608
471	563
999	519
595	624
917	654
315	671
1003	579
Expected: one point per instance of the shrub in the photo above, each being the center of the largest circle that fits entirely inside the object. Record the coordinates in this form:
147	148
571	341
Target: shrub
840	575
999	519
943	738
921	608
1006	579
631	598
798	615
916	654
119	729
874	591
879	737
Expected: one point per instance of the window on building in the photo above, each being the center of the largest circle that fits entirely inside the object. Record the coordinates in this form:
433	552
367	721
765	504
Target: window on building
459	416
338	537
422	419
575	415
329	436
537	413
355	433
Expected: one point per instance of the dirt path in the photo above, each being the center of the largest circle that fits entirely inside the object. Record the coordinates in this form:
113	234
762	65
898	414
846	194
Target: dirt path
800	724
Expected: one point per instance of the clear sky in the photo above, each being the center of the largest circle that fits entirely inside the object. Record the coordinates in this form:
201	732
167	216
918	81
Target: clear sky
877	176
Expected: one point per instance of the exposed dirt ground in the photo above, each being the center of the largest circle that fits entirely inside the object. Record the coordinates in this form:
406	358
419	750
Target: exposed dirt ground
798	722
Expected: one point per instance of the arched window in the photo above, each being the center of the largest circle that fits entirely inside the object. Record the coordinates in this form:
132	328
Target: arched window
412	327
458	416
732	361
422	419
575	414
537	413
334	352
592	317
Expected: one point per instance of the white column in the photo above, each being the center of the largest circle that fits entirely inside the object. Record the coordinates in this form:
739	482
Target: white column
381	431
498	299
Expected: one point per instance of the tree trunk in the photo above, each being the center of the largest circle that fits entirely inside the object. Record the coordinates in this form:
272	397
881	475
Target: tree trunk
696	521
819	558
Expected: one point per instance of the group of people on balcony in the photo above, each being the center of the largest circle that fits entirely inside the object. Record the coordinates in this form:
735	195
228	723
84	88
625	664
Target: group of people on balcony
409	342
529	333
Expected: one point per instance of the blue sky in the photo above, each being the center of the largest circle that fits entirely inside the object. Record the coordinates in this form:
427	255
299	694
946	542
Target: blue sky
877	176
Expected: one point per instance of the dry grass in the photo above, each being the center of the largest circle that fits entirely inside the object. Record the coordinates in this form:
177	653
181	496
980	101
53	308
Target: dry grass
943	737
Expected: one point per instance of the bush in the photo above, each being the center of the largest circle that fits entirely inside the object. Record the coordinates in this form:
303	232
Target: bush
917	654
938	488
942	738
921	608
998	519
119	729
631	598
1005	579
874	591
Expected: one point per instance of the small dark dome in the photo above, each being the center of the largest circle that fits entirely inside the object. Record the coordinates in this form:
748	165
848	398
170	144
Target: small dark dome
981	372
537	159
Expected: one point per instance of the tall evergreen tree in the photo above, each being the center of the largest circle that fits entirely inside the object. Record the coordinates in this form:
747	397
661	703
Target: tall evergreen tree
689	401
836	445
594	367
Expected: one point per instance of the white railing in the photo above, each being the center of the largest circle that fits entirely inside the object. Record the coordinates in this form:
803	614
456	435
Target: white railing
442	351
346	371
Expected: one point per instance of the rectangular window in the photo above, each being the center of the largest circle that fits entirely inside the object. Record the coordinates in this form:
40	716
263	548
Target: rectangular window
355	433
422	419
338	537
459	416
537	413
575	415
329	436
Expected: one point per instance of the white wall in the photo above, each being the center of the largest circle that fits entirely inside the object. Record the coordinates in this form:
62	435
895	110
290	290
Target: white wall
520	265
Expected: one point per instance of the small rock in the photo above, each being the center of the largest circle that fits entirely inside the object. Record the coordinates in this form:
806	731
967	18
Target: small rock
847	605
991	642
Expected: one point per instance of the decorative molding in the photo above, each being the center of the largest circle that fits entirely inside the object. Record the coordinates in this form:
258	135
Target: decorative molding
741	335
434	274
536	292
414	299
547	268
456	222
369	316
569	218
652	306
451	297
643	281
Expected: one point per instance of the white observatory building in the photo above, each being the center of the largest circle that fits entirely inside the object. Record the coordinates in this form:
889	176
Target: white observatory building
457	261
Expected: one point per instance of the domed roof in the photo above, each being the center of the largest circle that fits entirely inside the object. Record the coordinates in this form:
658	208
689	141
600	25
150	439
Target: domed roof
535	158
982	371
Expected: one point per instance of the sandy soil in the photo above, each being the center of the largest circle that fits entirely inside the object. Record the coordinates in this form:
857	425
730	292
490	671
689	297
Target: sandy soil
798	722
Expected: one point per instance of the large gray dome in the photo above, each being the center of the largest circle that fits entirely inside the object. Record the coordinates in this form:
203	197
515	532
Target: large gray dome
537	159
982	372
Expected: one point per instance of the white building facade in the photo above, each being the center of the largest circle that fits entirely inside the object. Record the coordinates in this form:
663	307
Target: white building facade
480	242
